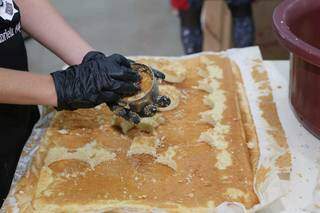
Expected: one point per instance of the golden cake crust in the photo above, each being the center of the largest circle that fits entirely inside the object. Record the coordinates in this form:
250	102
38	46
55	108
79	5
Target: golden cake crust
203	153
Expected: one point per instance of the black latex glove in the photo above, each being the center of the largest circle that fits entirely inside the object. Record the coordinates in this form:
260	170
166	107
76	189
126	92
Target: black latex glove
125	113
148	110
98	79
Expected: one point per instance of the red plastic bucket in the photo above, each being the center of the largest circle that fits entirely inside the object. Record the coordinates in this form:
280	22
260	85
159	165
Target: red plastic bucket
297	25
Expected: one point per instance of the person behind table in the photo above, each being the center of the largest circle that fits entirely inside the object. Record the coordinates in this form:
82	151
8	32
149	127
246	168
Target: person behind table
190	23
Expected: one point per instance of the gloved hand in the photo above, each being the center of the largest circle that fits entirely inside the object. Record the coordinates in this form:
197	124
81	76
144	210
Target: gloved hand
98	79
148	110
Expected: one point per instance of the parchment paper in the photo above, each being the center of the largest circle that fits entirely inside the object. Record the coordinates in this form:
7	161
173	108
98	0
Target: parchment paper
305	148
273	187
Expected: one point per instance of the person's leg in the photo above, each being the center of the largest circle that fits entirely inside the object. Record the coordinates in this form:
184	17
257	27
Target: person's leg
242	21
7	168
190	23
10	153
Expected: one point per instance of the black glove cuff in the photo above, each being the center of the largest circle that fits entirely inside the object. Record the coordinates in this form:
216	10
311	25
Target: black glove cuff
59	91
62	97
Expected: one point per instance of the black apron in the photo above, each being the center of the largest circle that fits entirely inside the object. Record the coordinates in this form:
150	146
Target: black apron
16	121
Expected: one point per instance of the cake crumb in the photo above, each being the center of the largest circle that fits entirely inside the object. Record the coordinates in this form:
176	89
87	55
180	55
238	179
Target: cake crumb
63	131
191	195
142	196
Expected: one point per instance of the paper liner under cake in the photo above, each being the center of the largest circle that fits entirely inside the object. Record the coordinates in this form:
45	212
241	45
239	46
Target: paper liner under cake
24	198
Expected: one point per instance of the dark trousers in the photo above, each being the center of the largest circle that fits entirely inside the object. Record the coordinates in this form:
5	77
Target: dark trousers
14	132
190	25
8	166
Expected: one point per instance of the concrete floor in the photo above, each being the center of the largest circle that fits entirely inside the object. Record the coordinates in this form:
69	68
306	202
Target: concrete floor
129	27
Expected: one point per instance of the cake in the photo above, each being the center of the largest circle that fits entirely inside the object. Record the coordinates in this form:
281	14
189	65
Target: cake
197	153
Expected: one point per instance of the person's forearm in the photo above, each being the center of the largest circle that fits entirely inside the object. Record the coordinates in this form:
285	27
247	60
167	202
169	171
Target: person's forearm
18	87
41	20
